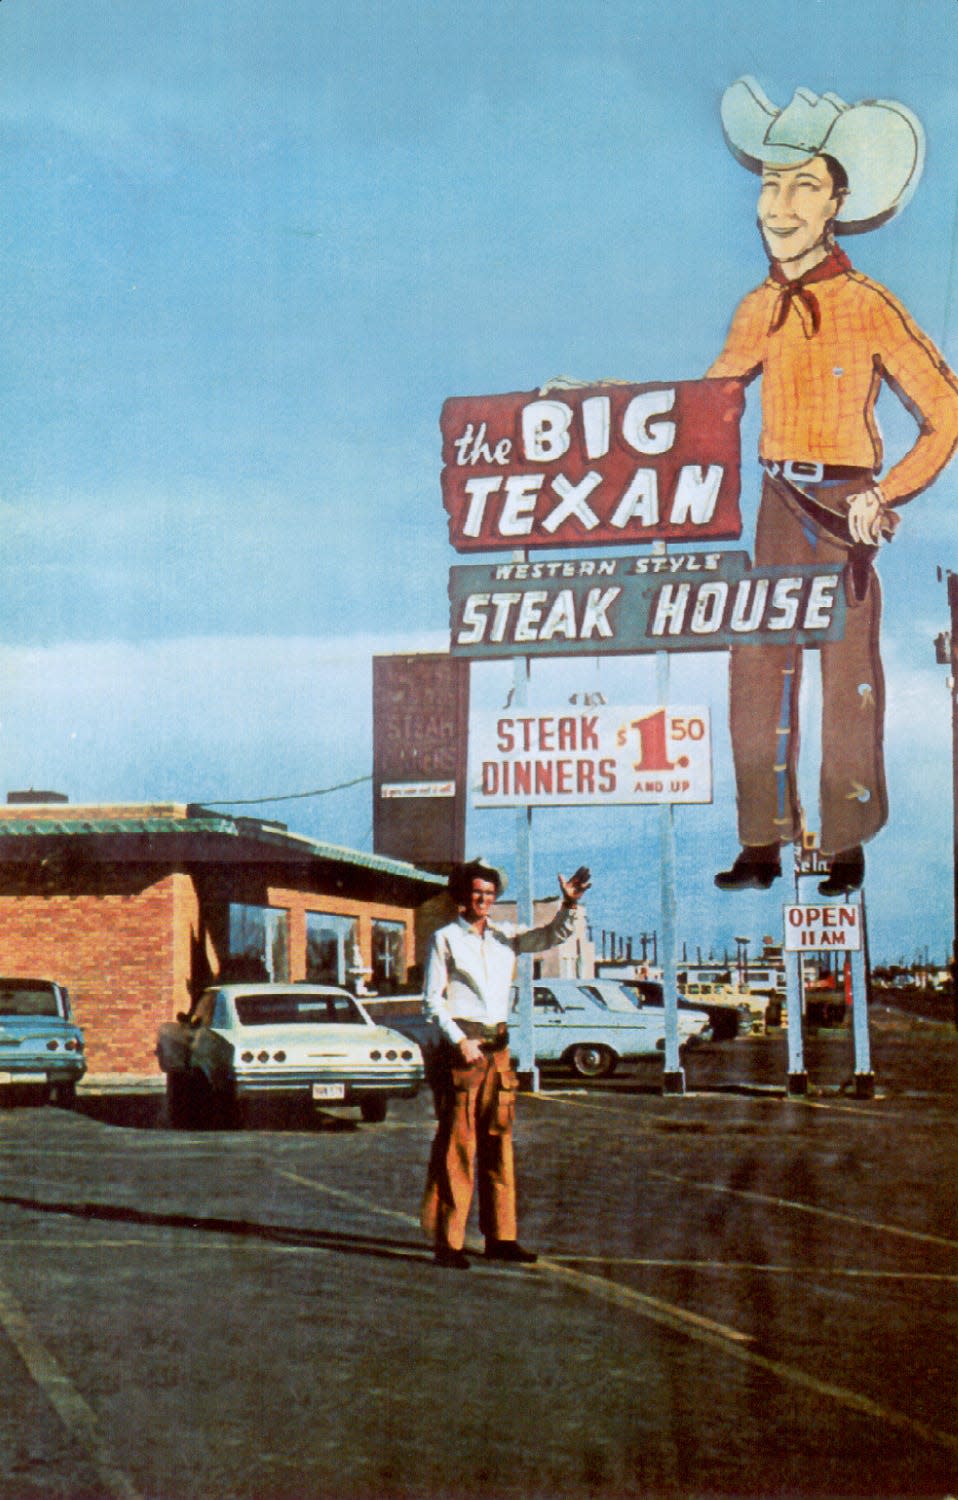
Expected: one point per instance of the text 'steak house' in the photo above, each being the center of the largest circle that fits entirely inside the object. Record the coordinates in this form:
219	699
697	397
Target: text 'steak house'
136	908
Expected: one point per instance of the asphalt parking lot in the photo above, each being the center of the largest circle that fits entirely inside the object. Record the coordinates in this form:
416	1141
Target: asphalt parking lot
739	1294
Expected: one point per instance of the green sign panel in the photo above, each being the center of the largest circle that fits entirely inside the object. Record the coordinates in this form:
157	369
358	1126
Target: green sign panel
682	601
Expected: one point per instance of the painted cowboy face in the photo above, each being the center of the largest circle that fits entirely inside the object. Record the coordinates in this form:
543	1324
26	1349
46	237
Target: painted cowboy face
795	207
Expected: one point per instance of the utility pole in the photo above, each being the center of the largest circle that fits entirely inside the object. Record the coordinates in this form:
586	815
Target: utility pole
946	654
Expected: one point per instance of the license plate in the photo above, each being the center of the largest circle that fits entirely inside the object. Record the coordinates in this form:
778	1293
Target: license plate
329	1091
23	1077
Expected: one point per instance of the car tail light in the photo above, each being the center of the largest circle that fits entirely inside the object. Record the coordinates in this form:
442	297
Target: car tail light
246	1057
53	1046
279	1056
391	1056
262	1056
375	1054
72	1045
407	1057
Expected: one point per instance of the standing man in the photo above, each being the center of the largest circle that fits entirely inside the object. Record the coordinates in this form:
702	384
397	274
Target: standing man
469	973
824	337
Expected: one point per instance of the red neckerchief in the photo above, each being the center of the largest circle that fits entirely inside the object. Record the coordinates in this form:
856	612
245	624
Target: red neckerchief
835	263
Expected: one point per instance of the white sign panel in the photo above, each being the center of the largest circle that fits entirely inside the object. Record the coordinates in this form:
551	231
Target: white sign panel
563	758
394	789
808	929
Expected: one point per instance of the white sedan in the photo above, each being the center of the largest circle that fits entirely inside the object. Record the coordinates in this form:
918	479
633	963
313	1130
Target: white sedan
311	1042
592	1024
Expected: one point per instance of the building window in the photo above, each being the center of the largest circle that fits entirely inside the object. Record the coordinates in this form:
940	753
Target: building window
258	943
332	948
389	955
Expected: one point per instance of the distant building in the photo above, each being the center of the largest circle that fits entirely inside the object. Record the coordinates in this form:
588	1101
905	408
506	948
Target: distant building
573	959
137	908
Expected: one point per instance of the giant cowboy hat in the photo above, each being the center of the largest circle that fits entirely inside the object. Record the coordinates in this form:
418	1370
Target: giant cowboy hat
880	144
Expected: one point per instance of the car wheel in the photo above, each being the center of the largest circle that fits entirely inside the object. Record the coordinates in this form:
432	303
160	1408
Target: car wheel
180	1101
64	1095
373	1110
589	1060
724	1026
214	1108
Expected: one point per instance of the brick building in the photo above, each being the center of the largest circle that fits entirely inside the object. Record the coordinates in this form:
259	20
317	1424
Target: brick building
573	959
136	908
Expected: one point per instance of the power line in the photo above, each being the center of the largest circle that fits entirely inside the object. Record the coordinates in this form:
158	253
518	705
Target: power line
321	791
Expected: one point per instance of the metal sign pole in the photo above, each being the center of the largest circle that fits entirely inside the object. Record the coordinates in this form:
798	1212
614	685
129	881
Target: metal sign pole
525	911
831	917
797	1076
673	1077
864	1077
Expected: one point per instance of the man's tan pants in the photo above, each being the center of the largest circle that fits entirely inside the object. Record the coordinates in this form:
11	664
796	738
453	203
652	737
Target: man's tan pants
476	1107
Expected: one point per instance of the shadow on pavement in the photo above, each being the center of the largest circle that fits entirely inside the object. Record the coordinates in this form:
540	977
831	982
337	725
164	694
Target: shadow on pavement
147	1111
276	1234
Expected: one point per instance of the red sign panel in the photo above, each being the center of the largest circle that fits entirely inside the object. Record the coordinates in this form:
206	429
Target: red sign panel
593	466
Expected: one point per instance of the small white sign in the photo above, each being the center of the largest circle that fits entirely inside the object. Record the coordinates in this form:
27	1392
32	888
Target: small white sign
810	929
394	789
565	757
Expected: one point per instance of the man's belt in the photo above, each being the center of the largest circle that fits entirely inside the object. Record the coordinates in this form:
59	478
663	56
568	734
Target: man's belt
493	1038
828	512
801	471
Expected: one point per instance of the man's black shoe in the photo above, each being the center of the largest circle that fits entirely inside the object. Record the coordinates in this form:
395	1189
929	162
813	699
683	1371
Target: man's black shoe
511	1252
845	873
754	869
456	1260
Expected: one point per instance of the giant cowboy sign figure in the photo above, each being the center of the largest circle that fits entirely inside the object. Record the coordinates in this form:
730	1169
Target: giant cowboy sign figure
823	337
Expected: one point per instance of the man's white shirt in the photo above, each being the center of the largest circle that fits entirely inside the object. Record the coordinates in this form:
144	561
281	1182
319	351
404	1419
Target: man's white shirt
469	974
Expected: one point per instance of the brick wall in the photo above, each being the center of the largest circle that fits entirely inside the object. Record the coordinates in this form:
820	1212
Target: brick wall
115	952
132	942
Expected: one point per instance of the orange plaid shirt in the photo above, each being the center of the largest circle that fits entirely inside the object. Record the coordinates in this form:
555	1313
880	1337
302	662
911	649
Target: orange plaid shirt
819	388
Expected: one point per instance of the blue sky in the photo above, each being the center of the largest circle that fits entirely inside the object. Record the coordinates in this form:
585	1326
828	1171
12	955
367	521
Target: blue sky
248	250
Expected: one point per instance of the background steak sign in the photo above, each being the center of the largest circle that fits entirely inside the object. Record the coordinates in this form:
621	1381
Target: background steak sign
597	464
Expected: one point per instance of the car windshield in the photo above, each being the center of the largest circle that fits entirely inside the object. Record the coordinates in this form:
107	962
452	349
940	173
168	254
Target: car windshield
611	996
28	1000
291	1009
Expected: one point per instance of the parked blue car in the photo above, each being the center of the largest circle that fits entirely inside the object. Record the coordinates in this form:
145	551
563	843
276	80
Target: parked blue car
41	1047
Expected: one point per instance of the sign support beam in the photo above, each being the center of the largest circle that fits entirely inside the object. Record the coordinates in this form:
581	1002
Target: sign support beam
525	909
864	1077
673	1076
844	922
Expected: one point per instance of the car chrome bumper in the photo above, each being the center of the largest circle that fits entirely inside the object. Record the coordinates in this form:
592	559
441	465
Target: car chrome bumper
396	1081
27	1074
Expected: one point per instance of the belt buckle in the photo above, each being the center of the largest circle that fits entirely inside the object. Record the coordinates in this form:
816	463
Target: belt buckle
798	471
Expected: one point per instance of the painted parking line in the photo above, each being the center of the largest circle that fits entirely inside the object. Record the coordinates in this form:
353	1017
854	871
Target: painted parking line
850	1400
770	1199
749	1267
700	1329
355	1200
639	1262
795	1206
654	1307
76	1415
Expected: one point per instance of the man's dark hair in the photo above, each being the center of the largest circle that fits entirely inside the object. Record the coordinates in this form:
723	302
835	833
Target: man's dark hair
460	881
837	173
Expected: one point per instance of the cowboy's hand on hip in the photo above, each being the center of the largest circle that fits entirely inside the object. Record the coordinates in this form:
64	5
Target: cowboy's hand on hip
869	518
